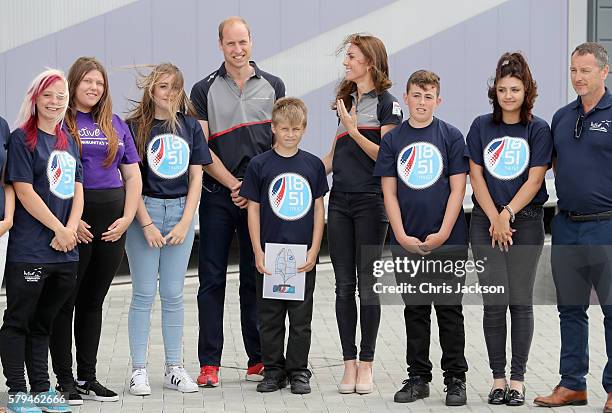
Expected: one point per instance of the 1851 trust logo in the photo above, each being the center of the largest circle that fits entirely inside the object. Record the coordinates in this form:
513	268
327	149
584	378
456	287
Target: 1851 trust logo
290	196
506	158
168	156
419	165
61	170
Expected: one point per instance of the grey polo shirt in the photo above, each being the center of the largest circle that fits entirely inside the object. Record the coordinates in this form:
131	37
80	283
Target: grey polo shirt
238	120
353	168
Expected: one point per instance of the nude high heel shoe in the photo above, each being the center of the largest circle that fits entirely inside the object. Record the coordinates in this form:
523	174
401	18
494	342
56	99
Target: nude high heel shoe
366	388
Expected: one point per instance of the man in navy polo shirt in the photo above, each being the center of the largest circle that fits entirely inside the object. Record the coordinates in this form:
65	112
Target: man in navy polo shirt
235	106
582	230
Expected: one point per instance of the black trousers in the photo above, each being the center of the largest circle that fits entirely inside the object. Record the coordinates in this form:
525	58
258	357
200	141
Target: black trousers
271	320
98	263
449	312
515	270
34	295
356	230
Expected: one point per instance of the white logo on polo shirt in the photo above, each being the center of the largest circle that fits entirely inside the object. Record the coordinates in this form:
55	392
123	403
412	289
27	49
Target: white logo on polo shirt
602	126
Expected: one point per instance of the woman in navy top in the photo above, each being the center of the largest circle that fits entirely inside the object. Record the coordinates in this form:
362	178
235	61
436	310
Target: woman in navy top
44	167
173	149
357	223
112	185
7	198
510	151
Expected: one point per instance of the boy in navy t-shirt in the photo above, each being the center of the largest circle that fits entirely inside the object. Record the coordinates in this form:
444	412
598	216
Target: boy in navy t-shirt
423	166
285	188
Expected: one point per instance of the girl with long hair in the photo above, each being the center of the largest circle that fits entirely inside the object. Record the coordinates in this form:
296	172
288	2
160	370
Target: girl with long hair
357	223
173	149
43	164
510	151
112	185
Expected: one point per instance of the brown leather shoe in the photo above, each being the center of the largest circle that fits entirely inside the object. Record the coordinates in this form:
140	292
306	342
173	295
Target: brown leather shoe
562	396
608	405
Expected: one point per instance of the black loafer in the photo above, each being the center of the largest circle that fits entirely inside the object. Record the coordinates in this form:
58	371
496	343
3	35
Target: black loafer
272	383
300	383
498	396
516	398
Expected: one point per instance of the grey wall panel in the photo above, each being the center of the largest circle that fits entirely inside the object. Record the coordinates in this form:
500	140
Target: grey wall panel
185	32
404	63
322	121
209	57
3	86
128	40
22	64
548	58
299	21
448	61
481	56
173	42
264	19
513	30
81	40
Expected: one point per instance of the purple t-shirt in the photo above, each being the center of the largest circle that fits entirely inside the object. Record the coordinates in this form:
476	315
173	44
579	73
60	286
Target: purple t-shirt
94	151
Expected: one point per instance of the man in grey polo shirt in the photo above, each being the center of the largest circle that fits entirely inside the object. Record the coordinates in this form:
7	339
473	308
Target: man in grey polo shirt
235	106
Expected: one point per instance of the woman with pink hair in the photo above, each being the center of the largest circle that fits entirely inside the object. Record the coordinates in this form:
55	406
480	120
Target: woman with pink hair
44	167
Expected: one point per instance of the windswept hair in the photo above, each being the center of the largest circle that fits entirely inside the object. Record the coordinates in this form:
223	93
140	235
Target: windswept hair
290	110
514	65
102	112
376	58
143	113
27	119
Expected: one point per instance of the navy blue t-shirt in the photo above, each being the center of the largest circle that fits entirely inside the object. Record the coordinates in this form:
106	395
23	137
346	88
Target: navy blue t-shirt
165	165
422	160
286	189
584	173
4	137
506	152
52	174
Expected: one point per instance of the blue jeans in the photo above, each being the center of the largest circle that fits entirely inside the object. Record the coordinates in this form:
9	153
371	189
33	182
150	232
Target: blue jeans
581	257
170	262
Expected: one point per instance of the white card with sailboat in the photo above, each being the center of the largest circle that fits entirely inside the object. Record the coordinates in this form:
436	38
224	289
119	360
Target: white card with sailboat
285	282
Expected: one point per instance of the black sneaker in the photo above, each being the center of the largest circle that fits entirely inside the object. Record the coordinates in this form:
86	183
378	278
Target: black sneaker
300	383
93	390
455	392
70	392
271	383
414	388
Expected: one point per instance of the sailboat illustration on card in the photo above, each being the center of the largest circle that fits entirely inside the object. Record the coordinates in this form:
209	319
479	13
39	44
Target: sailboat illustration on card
285	282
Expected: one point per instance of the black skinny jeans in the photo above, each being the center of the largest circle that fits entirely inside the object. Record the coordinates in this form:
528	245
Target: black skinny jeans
356	231
98	263
34	295
515	270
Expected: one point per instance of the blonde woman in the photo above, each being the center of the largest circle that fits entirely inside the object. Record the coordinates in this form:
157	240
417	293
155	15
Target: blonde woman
173	149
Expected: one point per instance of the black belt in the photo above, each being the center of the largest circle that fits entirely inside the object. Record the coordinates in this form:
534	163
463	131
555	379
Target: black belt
601	216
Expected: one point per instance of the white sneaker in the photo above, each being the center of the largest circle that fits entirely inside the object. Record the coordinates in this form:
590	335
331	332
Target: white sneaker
178	379
139	383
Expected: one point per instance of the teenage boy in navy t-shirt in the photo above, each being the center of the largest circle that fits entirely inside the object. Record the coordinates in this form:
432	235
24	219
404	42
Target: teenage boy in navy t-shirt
285	188
425	210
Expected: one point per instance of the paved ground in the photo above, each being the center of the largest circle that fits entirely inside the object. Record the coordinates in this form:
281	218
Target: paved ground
236	395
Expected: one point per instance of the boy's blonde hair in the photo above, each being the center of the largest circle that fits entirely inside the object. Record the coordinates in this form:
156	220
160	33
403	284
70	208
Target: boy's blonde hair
290	110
